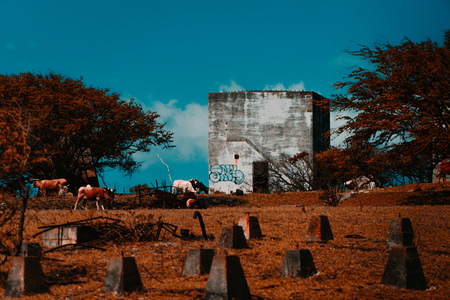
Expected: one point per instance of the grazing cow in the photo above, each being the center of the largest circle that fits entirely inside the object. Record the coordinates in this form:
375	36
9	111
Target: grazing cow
183	186
50	185
444	170
198	186
95	194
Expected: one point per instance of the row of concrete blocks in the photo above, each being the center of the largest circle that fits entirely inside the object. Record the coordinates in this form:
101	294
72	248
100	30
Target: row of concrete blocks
400	232
403	269
227	280
226	276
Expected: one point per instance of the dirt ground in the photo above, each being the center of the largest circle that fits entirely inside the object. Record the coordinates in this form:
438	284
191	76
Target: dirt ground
350	266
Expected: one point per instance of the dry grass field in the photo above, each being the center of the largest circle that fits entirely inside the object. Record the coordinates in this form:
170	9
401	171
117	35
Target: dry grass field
349	267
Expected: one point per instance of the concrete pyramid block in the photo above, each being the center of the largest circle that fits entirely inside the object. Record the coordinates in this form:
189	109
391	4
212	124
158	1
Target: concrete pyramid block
232	237
319	230
198	262
298	263
227	279
404	270
400	233
25	278
122	276
250	226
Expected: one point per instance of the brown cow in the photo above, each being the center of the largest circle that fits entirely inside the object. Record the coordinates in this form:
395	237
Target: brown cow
95	194
444	170
50	185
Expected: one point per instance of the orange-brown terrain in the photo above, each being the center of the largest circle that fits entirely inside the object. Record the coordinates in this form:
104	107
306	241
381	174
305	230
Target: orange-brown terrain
349	267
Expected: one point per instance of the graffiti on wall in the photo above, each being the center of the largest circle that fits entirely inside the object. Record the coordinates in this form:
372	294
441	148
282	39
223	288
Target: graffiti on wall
226	173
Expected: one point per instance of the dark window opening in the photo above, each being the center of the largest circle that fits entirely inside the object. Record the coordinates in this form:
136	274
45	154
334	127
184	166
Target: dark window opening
261	177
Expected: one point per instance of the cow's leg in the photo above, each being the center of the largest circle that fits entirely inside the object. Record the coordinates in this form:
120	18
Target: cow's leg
84	203
76	203
98	207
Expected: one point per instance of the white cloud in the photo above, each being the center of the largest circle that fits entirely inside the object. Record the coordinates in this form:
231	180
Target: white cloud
189	126
278	86
233	87
293	87
146	159
297	86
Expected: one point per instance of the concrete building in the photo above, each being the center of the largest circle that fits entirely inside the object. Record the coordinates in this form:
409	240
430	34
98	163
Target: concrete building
250	129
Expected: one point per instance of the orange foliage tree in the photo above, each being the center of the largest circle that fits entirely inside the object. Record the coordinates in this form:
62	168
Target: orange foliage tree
399	105
73	122
337	166
19	154
19	150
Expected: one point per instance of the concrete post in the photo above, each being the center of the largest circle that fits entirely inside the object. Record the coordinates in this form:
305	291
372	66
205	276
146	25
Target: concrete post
250	226
400	233
226	279
232	237
319	230
25	278
404	270
122	276
198	262
298	263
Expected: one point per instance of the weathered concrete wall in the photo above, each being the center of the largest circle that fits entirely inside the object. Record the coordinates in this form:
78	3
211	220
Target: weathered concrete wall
245	127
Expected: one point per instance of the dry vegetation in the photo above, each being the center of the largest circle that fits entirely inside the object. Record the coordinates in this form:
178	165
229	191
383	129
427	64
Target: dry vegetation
348	268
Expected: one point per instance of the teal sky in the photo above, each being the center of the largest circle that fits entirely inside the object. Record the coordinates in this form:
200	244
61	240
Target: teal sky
169	55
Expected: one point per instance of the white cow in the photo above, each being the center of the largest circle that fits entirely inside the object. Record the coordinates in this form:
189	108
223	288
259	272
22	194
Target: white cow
182	186
361	182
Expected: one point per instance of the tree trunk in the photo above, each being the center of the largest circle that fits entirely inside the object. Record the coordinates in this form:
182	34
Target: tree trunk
23	210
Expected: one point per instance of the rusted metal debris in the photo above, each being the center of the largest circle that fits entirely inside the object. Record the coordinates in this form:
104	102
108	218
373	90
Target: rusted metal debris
75	233
115	232
80	222
168	227
198	216
189	236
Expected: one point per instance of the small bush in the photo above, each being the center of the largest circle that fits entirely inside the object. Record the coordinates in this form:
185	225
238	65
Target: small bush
330	196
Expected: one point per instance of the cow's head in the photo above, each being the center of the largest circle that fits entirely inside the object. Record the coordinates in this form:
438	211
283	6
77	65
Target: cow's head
36	183
202	187
198	186
112	194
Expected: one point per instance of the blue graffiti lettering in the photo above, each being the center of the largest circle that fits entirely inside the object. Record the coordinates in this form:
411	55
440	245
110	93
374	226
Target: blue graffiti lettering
226	173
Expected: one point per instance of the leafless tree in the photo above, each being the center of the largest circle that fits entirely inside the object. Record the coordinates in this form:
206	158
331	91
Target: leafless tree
292	173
